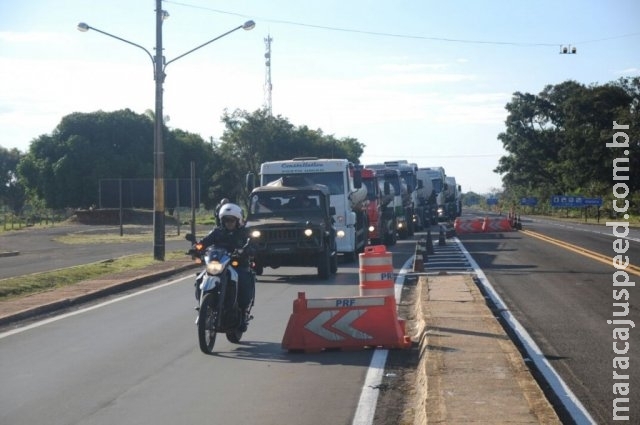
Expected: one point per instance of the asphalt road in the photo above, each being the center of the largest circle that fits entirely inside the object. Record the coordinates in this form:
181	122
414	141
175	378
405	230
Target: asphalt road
564	300
39	250
135	360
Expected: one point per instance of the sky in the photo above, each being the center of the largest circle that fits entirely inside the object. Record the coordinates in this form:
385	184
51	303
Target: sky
421	80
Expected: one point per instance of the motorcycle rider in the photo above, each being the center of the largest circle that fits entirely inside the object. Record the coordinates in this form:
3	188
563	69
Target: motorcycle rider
230	235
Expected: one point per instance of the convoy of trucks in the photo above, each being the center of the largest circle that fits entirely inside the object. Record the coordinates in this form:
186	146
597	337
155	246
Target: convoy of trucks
354	206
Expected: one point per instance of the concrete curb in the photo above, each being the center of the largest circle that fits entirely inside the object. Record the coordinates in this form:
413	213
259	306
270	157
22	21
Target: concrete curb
469	368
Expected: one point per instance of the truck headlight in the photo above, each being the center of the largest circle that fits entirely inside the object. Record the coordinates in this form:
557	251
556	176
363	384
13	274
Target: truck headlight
308	232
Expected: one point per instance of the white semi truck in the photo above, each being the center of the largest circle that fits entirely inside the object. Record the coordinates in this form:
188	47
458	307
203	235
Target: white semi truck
348	195
453	198
437	176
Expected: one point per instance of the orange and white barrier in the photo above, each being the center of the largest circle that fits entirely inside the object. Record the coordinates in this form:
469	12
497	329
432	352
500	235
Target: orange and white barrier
501	224
345	323
376	271
468	225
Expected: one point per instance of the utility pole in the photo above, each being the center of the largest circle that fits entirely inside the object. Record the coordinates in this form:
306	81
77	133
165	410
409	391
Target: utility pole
158	146
267	78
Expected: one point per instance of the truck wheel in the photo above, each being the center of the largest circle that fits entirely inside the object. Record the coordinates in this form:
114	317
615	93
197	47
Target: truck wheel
333	264
324	264
390	238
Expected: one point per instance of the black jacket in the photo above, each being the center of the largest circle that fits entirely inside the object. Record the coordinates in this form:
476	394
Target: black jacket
230	240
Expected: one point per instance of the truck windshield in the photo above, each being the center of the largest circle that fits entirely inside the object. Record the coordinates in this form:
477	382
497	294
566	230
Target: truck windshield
437	185
267	203
371	189
394	182
333	180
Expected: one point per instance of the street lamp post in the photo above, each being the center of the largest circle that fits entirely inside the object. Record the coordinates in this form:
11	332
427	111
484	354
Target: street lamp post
159	66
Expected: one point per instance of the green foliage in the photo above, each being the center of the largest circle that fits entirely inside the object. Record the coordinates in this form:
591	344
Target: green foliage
556	140
253	138
64	168
12	193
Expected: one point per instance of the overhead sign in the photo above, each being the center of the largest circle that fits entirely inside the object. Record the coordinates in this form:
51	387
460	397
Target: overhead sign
531	201
575	201
492	201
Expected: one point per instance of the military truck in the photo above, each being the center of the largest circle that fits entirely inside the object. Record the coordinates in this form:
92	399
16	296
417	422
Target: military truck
292	226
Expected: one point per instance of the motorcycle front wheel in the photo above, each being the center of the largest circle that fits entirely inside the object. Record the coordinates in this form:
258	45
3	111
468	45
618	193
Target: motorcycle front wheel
208	319
234	336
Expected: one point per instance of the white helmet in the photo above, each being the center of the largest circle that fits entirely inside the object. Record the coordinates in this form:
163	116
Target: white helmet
232	210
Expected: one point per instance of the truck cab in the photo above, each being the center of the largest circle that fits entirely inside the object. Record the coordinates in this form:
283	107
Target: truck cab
379	196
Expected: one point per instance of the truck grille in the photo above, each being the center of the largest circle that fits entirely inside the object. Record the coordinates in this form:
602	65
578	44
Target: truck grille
282	235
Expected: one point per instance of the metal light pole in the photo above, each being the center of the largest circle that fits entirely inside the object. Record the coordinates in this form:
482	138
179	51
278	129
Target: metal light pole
159	66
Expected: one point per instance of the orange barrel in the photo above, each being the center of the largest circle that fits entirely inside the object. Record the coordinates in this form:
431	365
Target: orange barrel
376	272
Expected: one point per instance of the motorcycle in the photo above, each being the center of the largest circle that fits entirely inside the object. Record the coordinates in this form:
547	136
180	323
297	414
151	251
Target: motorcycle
217	293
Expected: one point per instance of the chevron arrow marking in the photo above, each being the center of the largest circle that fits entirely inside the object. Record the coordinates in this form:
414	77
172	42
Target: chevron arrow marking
343	324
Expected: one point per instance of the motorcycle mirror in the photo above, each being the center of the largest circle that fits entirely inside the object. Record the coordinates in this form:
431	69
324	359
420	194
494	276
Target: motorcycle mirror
190	237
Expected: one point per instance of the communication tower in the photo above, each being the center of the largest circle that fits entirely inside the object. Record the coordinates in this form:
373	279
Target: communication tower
267	77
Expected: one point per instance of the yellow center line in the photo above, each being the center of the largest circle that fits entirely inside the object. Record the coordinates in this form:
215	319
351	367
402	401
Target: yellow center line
582	251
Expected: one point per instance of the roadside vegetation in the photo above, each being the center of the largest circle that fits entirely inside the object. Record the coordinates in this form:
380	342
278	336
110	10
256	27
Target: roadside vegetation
557	145
39	282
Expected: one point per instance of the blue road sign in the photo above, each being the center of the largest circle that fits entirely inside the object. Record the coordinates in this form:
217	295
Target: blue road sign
574	201
492	201
531	201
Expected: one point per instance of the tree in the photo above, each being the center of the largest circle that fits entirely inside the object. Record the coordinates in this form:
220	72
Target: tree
11	190
250	139
557	139
64	168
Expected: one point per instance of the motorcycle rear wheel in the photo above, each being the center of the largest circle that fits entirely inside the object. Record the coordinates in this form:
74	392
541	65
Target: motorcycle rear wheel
208	320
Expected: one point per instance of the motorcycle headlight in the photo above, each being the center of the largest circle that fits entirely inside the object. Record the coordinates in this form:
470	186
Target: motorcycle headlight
255	234
340	233
308	232
372	228
214	268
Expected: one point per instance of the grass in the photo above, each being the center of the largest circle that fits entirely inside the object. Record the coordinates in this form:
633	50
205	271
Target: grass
38	282
81	238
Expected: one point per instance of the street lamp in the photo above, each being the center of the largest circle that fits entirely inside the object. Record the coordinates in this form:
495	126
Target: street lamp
159	66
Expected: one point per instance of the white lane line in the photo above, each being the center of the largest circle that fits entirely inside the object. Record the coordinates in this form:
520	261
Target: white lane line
84	310
568	399
371	389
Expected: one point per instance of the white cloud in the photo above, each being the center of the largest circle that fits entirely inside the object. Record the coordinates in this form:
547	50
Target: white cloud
628	71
